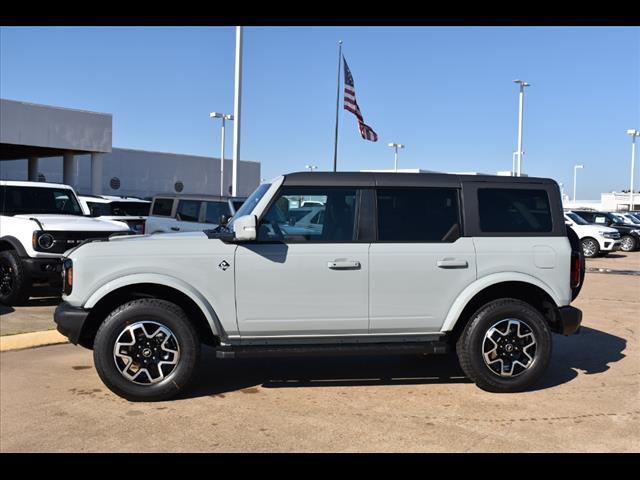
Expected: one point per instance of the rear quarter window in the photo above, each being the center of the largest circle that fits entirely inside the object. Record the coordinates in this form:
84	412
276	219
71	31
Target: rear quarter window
511	210
162	207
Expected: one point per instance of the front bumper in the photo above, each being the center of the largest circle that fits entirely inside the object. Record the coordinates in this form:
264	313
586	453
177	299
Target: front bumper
44	270
570	320
70	320
610	245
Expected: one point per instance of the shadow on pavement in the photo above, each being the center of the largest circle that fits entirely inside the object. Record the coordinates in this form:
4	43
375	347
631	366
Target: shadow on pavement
590	351
4	309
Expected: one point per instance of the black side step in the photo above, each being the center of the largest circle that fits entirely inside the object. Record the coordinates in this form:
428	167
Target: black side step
395	348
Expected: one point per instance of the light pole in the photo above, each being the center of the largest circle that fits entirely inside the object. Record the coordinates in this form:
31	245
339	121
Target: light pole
237	106
311	168
224	117
522	84
396	146
575	171
634	133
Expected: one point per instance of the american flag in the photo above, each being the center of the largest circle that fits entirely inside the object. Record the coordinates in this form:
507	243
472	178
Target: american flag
351	104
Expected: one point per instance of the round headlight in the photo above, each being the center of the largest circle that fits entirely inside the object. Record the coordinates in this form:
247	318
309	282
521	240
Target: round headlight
45	241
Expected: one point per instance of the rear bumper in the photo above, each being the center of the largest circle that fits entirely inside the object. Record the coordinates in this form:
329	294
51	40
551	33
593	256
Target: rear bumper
70	320
570	320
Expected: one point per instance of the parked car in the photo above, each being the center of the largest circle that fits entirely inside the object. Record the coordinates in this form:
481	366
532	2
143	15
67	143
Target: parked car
392	269
38	223
185	213
627	218
595	239
130	210
629	235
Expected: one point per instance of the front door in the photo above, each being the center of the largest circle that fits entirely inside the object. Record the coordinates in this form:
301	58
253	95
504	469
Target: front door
301	279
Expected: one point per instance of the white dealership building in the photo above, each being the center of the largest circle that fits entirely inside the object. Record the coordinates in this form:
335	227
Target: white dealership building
62	145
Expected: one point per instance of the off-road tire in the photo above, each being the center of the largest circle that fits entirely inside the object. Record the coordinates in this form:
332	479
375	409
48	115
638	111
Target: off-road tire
155	310
20	282
470	344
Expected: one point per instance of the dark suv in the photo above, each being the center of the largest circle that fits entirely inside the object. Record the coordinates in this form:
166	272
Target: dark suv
629	235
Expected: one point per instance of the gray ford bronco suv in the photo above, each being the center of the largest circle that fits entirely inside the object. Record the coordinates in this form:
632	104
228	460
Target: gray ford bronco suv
389	263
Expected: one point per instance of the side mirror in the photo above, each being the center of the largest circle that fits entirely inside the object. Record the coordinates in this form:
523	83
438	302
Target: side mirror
245	228
223	220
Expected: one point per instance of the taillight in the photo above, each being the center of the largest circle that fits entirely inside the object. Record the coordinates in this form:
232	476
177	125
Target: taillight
576	272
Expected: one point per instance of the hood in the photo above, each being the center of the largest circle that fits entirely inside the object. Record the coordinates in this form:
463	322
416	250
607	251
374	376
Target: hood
159	236
76	223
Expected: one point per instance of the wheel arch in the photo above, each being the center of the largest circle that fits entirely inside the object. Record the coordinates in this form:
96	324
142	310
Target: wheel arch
199	313
530	291
12	243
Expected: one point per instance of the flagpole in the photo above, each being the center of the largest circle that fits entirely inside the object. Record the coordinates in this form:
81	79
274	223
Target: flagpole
335	143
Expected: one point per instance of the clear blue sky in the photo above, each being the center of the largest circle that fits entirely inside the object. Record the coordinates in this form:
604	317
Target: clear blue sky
445	92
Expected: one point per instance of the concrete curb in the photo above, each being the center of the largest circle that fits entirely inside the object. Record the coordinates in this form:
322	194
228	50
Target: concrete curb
30	340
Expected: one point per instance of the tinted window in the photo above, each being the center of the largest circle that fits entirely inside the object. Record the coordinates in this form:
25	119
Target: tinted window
514	210
162	206
188	210
418	215
331	216
124	209
99	209
21	200
215	210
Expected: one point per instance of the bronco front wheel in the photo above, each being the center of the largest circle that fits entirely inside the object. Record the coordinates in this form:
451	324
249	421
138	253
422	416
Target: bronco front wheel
146	350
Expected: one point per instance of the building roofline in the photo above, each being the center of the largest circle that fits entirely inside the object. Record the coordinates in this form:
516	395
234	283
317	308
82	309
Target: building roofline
56	107
176	154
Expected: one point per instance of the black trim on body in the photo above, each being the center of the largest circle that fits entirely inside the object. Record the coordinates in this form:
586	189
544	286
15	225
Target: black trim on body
70	320
570	319
16	244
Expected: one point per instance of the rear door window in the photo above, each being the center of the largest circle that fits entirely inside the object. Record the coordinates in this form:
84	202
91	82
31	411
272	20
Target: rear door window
418	215
162	207
188	210
215	210
514	210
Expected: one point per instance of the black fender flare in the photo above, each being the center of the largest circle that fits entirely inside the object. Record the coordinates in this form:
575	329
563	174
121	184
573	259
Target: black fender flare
15	243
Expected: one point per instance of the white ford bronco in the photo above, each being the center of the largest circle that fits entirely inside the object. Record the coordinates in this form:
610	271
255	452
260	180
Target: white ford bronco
38	223
399	263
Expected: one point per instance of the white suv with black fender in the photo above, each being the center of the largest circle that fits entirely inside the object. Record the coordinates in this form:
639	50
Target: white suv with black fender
400	263
38	223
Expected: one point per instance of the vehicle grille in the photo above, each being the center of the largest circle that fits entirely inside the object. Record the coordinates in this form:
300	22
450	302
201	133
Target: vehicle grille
64	240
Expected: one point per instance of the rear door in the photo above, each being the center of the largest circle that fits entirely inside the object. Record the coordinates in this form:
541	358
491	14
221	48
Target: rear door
420	262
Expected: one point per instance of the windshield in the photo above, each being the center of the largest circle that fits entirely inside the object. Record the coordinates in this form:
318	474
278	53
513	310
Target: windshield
250	203
577	219
18	200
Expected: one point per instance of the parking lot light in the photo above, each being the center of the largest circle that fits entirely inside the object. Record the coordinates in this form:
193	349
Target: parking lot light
633	133
396	146
522	84
224	117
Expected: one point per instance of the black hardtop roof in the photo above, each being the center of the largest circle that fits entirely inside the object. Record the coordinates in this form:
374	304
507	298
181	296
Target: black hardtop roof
194	196
400	179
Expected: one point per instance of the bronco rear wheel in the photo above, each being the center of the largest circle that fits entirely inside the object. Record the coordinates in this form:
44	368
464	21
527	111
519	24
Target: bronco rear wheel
146	350
505	346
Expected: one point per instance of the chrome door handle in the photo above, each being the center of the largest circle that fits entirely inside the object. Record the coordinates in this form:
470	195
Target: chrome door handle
343	265
452	263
